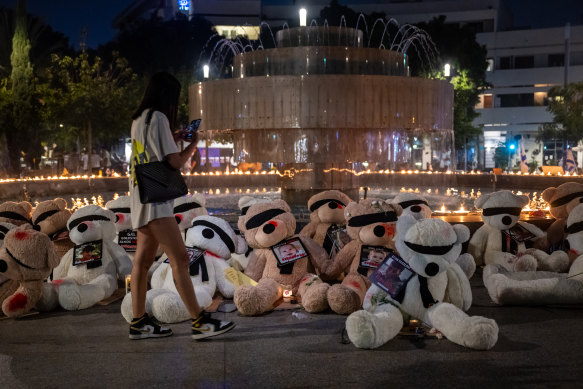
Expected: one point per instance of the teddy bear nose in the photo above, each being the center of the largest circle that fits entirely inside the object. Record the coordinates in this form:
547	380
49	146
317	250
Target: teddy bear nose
3	266
208	233
431	269
416	209
379	231
82	227
333	205
269	228
507	220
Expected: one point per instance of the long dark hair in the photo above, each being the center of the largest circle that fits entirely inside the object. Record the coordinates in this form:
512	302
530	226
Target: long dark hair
162	95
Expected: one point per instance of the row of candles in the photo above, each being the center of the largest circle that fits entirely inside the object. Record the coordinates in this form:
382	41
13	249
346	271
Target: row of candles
289	173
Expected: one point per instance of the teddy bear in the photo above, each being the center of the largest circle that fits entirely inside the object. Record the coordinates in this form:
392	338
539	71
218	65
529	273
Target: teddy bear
505	240
327	223
413	204
50	217
371	225
27	257
542	287
7	286
239	261
126	236
186	208
210	241
562	200
280	261
15	213
424	283
88	273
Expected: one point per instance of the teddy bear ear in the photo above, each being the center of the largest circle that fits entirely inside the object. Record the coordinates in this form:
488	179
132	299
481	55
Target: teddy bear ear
61	203
480	201
240	245
549	193
199	198
462	232
524	199
404	223
396	207
349	211
26	205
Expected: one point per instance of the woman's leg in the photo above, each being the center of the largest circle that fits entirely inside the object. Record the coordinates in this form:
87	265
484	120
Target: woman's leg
168	235
147	245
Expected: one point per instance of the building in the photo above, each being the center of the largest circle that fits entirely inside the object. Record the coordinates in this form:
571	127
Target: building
524	65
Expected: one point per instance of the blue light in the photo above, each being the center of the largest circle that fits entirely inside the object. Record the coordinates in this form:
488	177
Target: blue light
512	146
184	5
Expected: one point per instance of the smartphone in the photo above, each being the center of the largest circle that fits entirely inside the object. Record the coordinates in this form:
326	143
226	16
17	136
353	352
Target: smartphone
188	134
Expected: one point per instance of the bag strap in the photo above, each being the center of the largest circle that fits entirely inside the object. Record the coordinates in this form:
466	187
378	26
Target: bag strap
147	123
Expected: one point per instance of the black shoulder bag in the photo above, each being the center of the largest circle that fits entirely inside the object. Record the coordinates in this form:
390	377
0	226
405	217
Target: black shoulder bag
158	181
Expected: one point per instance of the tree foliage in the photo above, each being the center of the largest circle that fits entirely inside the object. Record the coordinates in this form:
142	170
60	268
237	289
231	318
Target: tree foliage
566	105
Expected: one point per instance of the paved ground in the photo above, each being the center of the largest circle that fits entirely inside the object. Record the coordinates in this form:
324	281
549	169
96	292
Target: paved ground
537	347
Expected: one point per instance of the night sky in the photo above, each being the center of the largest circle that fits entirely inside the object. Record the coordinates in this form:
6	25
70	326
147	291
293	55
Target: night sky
69	16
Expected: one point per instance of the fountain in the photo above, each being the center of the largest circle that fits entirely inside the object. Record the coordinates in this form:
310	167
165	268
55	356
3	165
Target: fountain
321	108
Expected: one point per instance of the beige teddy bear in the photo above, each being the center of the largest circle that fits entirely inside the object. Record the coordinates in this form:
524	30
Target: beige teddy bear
327	220
371	225
15	213
562	200
279	260
27	256
50	217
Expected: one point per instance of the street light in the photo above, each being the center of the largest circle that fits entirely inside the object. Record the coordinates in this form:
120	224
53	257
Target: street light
303	14
205	71
447	70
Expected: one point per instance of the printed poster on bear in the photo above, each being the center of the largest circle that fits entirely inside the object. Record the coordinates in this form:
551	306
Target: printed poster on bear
289	251
392	275
88	253
519	234
336	238
128	239
371	257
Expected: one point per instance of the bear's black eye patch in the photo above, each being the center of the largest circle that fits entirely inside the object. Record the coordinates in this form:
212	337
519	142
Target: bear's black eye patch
515	211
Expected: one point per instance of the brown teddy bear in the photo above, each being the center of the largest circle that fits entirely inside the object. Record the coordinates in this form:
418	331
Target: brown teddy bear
371	225
327	223
562	200
15	213
50	217
27	256
279	260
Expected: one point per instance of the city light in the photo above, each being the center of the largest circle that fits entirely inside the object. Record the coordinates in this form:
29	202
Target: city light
447	70
205	71
303	14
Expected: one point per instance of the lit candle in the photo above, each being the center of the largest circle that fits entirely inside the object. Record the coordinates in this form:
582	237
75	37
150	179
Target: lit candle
128	282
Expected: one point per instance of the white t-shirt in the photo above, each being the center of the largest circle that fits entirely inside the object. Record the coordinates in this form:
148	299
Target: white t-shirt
159	144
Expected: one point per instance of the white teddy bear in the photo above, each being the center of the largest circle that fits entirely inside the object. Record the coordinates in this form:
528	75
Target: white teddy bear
508	242
88	273
413	204
126	236
240	261
214	240
542	287
186	208
437	291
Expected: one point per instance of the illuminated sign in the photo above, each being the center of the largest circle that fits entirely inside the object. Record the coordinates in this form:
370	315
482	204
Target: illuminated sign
184	5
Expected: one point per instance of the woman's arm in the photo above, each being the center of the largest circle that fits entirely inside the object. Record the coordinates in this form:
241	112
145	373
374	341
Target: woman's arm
177	160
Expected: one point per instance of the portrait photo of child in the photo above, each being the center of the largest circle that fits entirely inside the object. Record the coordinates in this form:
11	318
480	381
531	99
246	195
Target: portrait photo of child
289	251
87	253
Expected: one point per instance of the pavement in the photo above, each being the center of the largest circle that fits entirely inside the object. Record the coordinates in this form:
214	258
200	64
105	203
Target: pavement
538	347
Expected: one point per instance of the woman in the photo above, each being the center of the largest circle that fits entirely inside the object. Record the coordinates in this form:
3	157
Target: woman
155	222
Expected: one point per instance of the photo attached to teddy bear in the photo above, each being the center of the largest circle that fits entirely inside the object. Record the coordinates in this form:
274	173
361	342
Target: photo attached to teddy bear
392	275
128	240
289	251
196	262
371	257
336	238
89	254
519	234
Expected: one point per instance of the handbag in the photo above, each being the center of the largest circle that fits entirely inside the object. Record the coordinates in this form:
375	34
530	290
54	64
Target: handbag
158	181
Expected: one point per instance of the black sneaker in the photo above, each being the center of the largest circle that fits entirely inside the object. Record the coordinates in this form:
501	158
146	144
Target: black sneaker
205	326
144	327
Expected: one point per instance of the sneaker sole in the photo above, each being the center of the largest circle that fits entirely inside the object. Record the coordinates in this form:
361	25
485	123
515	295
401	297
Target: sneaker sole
214	333
146	336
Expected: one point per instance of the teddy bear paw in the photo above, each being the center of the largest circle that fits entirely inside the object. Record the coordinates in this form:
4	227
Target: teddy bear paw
480	333
169	308
524	263
248	301
343	300
314	298
69	296
557	261
360	329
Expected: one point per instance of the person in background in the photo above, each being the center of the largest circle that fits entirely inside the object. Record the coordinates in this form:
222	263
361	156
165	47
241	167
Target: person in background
155	221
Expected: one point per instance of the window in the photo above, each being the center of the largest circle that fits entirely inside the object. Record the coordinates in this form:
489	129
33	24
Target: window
487	101
517	100
505	62
524	62
556	60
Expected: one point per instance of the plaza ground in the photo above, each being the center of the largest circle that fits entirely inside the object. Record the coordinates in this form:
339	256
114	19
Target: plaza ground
537	347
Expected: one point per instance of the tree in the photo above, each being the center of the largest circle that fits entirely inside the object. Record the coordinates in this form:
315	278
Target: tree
566	105
94	99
